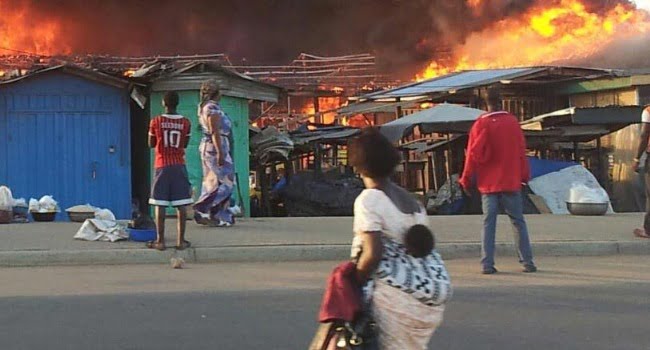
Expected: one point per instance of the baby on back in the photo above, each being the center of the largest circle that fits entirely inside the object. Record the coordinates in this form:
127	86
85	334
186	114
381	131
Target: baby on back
419	241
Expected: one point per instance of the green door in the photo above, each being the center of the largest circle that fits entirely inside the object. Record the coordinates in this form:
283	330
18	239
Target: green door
237	110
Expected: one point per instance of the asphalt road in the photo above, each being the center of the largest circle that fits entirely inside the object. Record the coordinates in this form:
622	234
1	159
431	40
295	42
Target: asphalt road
572	303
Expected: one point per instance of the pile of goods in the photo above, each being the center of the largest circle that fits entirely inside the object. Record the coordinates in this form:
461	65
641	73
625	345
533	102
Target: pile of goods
11	210
44	209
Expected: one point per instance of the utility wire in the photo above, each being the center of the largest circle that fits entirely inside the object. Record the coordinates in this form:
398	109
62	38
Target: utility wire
19	51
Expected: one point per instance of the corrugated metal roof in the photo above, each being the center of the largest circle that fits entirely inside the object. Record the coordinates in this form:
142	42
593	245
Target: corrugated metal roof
456	81
587	116
75	70
325	134
231	83
376	107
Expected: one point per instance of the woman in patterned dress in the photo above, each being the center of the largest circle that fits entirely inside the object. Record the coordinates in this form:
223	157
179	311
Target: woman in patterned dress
403	322
213	207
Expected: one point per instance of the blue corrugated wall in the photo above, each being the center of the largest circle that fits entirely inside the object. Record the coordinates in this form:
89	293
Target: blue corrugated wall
69	137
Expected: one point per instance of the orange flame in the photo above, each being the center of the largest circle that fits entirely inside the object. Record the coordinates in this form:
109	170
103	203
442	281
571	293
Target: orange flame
325	104
474	3
565	30
20	31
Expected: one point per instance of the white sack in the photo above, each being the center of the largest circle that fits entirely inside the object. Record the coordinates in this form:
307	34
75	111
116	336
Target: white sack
101	230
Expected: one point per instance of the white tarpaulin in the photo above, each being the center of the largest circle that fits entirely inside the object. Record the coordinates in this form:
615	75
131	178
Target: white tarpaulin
103	227
101	230
555	187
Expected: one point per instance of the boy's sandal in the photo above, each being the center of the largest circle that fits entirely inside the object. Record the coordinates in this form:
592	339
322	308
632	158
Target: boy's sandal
184	245
156	245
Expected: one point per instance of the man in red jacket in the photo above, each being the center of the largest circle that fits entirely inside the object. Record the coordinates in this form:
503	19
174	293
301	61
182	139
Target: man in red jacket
496	162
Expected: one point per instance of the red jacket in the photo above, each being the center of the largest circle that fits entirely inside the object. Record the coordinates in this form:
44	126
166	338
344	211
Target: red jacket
343	295
496	155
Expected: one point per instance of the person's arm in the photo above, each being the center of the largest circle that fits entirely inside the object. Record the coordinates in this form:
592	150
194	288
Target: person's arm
643	142
476	153
368	229
371	253
152	134
188	133
215	127
525	167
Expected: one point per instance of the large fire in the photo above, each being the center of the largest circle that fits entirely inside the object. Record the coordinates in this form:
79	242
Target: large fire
20	31
551	31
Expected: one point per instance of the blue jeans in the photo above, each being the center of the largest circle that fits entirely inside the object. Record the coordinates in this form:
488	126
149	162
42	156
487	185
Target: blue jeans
513	206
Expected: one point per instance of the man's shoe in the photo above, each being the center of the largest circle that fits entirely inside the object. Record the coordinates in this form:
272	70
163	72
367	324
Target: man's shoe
530	268
490	270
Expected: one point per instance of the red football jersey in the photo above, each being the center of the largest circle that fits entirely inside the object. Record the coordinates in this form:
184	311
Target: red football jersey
170	131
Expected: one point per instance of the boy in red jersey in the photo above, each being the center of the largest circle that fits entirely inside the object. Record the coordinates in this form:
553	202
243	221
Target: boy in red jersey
169	135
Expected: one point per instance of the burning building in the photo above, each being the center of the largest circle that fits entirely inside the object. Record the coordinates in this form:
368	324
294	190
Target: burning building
316	87
561	32
405	41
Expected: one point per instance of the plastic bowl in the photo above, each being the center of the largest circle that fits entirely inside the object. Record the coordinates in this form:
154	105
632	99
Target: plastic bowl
587	209
21	211
80	216
6	216
142	235
44	217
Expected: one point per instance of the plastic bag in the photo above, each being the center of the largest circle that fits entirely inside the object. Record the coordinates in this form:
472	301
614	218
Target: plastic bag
48	204
33	205
104	214
580	193
6	198
86	208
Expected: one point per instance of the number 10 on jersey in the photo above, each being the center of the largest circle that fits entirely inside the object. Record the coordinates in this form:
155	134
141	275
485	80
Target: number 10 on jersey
172	138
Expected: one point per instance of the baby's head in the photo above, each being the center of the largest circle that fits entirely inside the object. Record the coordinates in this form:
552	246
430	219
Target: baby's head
419	241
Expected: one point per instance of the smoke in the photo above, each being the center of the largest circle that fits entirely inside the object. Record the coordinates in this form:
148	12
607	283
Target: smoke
402	33
622	54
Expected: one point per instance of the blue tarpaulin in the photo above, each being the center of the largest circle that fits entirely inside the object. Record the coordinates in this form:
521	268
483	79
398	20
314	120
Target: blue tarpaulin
540	167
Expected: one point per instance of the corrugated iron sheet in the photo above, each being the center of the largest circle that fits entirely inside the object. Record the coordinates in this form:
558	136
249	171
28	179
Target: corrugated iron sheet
456	81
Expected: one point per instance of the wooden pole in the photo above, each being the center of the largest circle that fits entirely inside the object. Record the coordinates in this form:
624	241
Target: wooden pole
599	154
451	187
434	171
398	110
406	171
266	203
335	155
317	117
288	104
317	159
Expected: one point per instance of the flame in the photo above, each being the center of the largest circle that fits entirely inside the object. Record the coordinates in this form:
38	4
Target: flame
20	31
546	33
474	3
325	104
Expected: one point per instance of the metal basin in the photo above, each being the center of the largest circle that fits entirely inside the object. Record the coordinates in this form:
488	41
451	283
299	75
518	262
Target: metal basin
589	209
